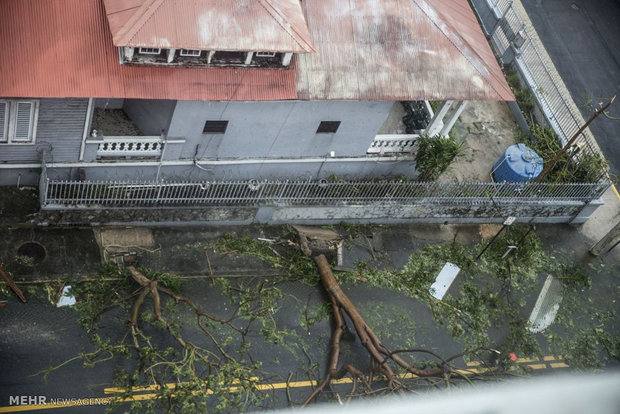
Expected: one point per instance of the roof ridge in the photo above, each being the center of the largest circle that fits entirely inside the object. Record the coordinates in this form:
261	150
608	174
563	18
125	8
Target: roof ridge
137	21
459	42
278	16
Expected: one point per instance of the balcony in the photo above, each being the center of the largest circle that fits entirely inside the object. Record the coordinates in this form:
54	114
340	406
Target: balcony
131	147
115	137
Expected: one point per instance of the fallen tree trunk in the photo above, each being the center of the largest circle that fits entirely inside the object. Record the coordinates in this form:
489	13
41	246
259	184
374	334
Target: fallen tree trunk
380	355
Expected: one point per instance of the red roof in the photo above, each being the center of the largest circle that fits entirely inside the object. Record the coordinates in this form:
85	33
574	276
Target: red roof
63	48
398	50
257	25
366	50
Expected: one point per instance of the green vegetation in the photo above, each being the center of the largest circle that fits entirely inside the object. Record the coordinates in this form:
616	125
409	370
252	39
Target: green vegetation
435	154
578	168
524	97
486	310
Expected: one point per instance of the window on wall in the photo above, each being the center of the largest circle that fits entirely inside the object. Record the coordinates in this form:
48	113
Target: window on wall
18	120
328	127
149	51
190	52
265	54
215	127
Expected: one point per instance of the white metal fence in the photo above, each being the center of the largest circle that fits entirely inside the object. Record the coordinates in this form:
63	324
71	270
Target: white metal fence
513	42
145	194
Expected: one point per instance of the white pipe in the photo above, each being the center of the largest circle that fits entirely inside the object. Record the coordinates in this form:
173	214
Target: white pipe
205	162
86	127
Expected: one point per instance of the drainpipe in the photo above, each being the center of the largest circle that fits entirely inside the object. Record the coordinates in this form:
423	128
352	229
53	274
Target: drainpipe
89	114
331	154
164	140
43	180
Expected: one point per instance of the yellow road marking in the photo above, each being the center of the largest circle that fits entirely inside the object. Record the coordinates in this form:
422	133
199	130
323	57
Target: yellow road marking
526	360
258	387
615	191
153	387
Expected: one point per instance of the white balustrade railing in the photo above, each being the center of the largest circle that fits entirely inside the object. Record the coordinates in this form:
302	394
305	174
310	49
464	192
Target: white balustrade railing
130	147
393	144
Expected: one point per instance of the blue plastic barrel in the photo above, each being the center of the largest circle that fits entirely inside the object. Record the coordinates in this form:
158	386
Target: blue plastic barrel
518	163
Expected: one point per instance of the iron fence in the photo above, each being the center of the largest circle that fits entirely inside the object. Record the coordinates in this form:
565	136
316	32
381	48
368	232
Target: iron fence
300	193
511	36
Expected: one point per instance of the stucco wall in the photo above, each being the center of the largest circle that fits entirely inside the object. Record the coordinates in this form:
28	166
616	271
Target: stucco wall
488	212
151	116
277	129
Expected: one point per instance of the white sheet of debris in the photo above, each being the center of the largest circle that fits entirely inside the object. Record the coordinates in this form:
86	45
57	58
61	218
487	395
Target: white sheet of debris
444	280
66	299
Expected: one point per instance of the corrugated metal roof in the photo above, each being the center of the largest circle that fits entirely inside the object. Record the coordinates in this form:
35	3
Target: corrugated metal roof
241	25
63	48
398	50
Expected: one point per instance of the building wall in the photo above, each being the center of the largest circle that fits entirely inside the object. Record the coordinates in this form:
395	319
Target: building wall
277	129
59	128
151	116
257	131
109	103
260	171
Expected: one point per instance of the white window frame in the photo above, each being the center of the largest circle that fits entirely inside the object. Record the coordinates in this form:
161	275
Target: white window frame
266	54
8	138
149	50
190	52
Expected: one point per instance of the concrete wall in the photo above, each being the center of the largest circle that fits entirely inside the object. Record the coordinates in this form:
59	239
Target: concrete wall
277	129
151	116
59	129
531	211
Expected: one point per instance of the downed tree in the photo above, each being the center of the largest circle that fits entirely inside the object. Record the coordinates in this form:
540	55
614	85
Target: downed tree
382	358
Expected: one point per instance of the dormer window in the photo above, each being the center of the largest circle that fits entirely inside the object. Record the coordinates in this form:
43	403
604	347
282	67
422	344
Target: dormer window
190	52
201	57
149	51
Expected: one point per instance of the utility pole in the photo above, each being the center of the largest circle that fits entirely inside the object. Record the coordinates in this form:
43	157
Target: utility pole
609	237
550	164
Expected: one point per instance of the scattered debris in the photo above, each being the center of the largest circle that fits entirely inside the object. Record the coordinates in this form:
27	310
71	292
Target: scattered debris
66	299
13	286
444	280
547	305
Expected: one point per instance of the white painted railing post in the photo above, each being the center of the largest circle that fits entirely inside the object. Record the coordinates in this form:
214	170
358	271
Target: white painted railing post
437	122
453	118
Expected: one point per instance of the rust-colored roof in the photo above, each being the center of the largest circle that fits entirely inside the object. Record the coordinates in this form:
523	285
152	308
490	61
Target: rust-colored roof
63	48
366	50
241	25
398	50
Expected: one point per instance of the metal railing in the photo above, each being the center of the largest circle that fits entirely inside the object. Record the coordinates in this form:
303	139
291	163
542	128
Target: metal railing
510	36
322	192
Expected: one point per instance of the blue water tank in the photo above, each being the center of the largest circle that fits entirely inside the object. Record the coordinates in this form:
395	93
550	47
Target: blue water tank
518	163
